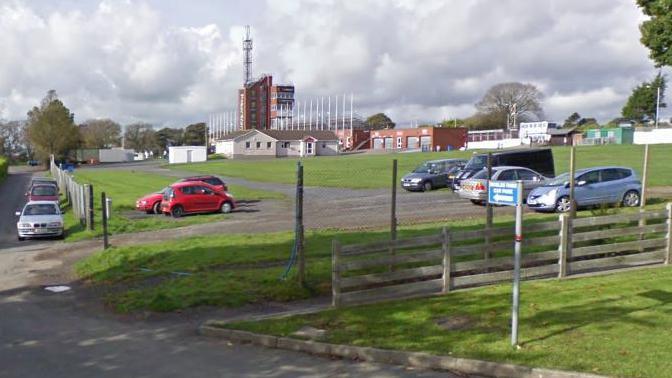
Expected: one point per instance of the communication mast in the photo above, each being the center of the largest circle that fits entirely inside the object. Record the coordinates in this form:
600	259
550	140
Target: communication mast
247	48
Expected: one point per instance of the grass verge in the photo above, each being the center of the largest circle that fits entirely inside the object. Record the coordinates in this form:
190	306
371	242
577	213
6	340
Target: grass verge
613	325
125	187
374	170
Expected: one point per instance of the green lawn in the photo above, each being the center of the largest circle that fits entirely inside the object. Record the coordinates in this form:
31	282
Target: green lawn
374	170
125	187
615	325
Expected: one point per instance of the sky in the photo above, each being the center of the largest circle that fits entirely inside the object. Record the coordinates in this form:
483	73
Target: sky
172	63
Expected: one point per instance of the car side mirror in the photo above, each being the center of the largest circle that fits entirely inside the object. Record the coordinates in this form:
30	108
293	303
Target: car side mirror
566	184
17	213
536	178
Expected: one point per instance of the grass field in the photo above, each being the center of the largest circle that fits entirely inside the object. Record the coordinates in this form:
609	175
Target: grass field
124	187
616	325
374	170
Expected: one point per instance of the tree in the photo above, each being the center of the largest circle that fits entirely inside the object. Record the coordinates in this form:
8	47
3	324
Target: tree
11	140
572	120
641	105
380	121
455	122
194	134
502	100
140	137
657	30
484	121
167	137
100	133
51	128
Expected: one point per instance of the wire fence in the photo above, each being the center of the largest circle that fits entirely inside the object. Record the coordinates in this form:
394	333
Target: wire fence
79	197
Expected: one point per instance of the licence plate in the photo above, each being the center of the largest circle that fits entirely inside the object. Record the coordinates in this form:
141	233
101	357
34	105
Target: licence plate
532	202
41	230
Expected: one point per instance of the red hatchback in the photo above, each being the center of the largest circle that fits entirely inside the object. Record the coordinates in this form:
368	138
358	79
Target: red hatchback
212	180
42	193
195	197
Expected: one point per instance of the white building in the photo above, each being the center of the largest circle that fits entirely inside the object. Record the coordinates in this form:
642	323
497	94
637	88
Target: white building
278	143
187	154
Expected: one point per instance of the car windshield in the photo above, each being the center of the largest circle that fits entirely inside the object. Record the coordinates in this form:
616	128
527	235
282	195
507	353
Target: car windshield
45	190
482	174
559	180
425	167
477	162
40	209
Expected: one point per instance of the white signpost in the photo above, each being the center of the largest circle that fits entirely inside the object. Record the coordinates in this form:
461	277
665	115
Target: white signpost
511	194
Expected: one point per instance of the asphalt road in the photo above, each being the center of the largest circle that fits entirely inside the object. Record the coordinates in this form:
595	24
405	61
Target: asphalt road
12	193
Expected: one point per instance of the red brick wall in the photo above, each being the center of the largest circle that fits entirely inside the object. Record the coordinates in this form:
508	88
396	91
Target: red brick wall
443	137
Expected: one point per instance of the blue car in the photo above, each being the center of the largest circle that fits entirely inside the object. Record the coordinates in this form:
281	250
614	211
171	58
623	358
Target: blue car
593	187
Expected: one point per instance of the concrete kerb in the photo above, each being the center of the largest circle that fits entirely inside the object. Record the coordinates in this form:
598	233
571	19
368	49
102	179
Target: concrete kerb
394	357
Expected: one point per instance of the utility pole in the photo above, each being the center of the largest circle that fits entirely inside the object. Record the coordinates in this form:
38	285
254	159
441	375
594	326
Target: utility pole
657	105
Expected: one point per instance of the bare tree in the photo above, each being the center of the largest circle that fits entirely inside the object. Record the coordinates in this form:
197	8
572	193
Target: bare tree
502	100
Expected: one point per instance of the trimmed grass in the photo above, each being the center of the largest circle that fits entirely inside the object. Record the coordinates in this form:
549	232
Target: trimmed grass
374	170
613	325
125	187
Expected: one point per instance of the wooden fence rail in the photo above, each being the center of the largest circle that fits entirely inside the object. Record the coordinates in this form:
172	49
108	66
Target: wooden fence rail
78	196
448	260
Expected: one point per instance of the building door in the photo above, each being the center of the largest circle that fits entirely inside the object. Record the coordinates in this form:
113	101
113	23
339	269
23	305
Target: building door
309	148
426	143
412	142
399	142
378	144
189	152
389	143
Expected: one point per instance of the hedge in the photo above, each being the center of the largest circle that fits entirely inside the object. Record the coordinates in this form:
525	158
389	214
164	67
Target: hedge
4	166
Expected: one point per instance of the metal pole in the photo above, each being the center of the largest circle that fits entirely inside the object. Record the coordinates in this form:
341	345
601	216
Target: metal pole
343	123
352	137
489	212
393	212
657	104
304	115
91	222
299	225
572	173
329	113
516	264
103	202
310	124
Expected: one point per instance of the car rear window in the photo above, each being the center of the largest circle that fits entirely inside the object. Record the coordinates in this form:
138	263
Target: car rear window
44	190
213	181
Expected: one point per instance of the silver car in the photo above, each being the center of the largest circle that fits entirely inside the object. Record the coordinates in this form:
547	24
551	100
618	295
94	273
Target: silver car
475	188
40	219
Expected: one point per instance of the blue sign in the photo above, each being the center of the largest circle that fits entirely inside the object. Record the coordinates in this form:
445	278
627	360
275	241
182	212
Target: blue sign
503	193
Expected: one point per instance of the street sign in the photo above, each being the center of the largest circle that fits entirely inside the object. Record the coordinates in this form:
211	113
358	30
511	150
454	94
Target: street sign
503	193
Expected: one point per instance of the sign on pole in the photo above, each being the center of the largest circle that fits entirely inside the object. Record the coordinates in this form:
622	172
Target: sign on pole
511	194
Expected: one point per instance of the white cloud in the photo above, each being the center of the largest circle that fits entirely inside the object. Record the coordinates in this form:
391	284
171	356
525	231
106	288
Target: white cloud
418	60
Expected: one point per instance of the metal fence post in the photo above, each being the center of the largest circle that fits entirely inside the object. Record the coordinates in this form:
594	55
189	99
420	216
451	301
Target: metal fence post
91	211
106	243
668	250
300	253
393	213
335	273
489	212
562	250
447	264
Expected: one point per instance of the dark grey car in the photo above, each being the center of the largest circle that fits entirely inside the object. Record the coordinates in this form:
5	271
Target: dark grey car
432	174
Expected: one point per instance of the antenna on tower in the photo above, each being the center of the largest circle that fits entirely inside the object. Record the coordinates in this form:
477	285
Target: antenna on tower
247	49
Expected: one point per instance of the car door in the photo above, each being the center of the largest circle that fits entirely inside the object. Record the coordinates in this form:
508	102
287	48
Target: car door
441	176
611	185
587	190
189	200
210	200
530	180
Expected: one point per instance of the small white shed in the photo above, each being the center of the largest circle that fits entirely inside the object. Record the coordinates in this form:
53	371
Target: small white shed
187	154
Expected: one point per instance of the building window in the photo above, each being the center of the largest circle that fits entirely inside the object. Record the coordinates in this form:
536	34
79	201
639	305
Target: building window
258	145
285	144
247	145
324	145
268	145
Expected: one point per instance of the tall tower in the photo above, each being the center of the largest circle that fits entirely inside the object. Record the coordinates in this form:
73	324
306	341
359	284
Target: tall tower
247	49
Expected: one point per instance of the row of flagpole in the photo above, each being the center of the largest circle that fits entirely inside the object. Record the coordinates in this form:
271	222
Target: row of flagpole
299	114
221	124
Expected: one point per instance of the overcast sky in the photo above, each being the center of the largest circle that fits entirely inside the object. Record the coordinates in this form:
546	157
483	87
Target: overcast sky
172	62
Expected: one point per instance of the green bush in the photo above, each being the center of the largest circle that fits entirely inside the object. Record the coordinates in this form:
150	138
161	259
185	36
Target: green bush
4	166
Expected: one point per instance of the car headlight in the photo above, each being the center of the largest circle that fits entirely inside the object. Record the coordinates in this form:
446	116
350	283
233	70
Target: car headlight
416	180
548	197
143	202
55	224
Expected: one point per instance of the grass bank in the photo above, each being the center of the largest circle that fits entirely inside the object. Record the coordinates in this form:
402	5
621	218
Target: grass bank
125	187
374	170
612	325
4	168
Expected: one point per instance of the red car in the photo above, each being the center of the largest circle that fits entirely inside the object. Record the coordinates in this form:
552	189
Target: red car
151	203
212	180
45	192
195	197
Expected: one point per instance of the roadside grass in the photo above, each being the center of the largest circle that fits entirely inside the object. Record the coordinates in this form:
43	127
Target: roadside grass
125	187
366	171
236	269
613	325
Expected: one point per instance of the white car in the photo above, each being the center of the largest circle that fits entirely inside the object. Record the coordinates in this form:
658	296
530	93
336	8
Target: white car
40	219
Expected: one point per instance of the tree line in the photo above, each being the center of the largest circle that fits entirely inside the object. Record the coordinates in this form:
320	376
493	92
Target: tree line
50	129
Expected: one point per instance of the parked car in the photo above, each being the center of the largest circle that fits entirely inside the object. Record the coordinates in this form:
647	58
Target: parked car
43	180
536	159
42	192
195	197
40	219
593	187
33	163
475	188
432	174
151	203
212	180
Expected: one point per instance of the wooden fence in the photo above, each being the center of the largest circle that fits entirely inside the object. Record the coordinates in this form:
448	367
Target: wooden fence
78	196
449	260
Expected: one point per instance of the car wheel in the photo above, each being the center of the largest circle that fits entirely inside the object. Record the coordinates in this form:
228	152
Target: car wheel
157	208
477	202
177	211
631	199
226	207
21	239
427	186
563	205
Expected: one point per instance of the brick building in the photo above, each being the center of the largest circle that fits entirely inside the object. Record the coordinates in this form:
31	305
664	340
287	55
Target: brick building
422	138
259	103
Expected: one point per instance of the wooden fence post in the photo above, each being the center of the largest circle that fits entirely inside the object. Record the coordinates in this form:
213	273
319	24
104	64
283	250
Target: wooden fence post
564	239
335	273
668	249
447	264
